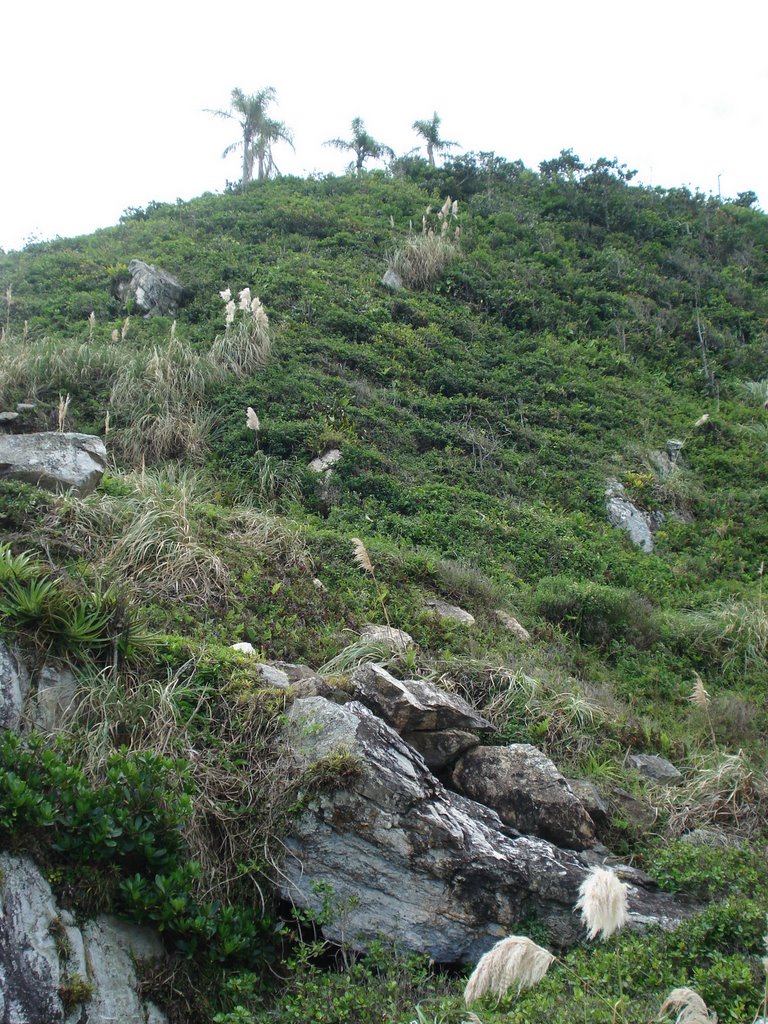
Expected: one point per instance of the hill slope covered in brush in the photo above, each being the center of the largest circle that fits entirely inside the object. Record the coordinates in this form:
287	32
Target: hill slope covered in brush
573	326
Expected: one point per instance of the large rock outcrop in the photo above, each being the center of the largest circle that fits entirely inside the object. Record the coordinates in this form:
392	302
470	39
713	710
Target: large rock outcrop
54	972
154	292
406	860
54	461
625	515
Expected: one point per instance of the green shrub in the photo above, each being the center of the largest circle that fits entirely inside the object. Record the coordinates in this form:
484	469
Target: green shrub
595	613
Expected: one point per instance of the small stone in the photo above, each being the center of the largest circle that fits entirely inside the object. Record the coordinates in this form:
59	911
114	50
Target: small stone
274	676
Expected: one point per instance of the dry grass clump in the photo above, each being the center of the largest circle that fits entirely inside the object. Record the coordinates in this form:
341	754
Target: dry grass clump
244	778
158	397
514	961
689	1007
151	537
724	790
562	706
421	260
734	631
40	369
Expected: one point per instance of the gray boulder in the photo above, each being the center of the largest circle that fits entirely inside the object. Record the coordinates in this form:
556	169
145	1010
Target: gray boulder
54	461
406	862
410	704
443	610
588	795
396	640
624	515
154	292
522	785
392	280
14	684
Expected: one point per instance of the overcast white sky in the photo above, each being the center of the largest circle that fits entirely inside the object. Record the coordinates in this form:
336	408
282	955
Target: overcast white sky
103	103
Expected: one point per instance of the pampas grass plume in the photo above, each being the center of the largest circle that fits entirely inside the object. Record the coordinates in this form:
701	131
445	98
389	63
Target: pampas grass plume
690	1007
362	557
603	903
516	960
699	695
252	420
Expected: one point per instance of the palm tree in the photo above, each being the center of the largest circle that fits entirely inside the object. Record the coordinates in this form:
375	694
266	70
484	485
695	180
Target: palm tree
430	132
259	131
363	145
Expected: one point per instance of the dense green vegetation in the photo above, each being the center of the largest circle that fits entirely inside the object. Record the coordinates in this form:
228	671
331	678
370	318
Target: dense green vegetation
574	325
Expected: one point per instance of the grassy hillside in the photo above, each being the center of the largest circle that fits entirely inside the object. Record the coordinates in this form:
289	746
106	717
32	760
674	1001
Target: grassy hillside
569	328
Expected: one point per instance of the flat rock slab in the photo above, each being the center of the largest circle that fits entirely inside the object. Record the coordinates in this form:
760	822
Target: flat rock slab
527	791
54	461
410	704
406	861
514	627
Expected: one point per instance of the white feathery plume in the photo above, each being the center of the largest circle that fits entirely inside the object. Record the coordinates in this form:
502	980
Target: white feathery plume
362	557
603	903
699	695
226	294
124	328
690	1007
701	420
115	335
516	960
252	420
229	314
245	298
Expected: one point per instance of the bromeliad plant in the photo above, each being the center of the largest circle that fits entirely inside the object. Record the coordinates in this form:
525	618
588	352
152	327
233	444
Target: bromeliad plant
64	617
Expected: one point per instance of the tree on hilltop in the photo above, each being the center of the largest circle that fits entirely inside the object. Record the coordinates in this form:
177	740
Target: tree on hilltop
259	131
362	144
430	132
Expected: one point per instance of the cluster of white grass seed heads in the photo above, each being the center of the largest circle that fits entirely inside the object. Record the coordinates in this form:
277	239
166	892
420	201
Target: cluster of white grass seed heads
602	903
252	420
514	961
689	1007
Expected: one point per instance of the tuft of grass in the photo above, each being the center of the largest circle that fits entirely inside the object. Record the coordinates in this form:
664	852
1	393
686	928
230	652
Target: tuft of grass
421	259
734	631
